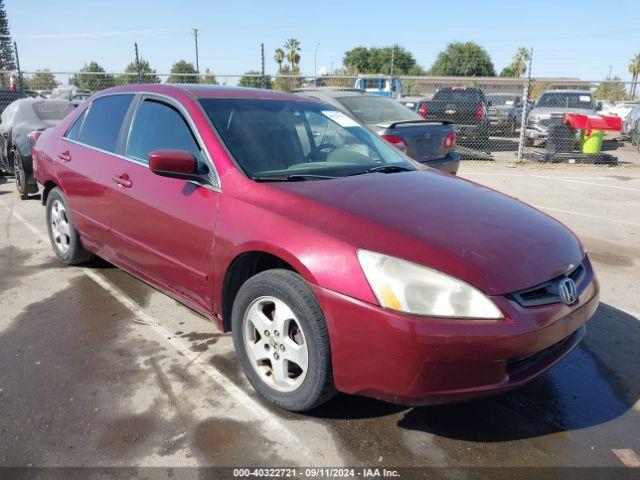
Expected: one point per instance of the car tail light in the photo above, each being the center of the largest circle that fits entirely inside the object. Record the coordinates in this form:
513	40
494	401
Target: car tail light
480	112
423	110
450	140
396	141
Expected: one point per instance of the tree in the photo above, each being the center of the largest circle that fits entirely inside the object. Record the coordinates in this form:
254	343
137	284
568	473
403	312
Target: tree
278	56
518	66
209	78
183	72
292	47
92	77
634	70
131	73
612	90
378	60
463	60
252	79
7	59
507	72
537	89
41	80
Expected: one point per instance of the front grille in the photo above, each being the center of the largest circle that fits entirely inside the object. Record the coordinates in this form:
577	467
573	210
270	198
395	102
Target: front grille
548	292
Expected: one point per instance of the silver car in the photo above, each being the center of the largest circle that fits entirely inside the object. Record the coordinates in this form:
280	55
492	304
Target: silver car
553	102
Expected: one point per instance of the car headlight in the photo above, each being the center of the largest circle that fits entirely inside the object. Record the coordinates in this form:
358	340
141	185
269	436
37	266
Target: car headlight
534	119
411	288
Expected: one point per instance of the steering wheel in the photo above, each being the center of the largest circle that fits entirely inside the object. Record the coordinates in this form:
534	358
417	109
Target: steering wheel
322	146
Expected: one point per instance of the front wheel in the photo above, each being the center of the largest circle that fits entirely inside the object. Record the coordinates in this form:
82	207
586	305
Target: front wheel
64	237
281	340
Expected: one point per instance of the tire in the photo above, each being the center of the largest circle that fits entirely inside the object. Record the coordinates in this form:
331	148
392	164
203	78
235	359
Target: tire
528	142
20	176
259	311
63	235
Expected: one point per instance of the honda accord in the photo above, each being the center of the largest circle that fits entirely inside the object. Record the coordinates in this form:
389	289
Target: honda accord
336	262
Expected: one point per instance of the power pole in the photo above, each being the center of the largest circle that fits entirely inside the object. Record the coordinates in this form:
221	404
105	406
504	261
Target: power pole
610	67
20	80
195	36
315	66
135	45
263	79
523	118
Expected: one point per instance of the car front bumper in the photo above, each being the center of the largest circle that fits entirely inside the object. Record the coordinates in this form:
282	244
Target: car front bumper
535	132
415	360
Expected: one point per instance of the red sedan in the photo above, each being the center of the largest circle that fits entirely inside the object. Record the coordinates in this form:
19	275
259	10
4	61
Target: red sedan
337	262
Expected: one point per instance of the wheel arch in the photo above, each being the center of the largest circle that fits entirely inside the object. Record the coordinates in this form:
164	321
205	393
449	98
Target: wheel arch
244	266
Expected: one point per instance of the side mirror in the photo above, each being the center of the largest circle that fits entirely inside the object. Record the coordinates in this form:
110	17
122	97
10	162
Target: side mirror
599	106
174	164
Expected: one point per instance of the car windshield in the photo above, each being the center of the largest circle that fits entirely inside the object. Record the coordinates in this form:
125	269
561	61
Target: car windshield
288	139
52	110
497	100
566	100
377	110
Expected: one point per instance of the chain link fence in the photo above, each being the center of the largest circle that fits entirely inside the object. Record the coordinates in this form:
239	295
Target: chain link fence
501	120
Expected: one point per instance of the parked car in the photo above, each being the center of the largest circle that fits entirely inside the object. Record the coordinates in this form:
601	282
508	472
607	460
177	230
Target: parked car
346	267
17	122
554	102
429	142
466	108
33	94
622	109
631	124
505	112
417	104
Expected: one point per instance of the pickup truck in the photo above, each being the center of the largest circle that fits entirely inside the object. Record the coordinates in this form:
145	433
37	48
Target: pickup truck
466	108
505	112
554	102
431	143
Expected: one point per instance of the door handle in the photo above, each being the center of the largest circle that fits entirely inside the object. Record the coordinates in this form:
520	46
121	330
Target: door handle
123	180
65	156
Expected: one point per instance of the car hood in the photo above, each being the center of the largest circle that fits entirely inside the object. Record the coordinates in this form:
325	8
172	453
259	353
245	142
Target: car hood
486	238
545	112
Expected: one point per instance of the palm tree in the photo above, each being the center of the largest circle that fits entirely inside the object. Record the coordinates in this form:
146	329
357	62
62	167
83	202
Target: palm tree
293	52
278	56
634	69
519	63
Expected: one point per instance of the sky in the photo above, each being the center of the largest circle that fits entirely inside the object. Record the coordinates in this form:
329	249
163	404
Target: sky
569	38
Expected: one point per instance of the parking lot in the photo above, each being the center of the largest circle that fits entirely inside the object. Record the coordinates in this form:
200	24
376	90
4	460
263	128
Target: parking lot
99	369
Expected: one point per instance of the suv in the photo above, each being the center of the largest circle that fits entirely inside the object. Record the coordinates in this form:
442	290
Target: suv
557	102
346	266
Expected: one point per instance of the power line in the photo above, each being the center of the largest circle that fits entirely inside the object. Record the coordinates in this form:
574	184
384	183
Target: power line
120	33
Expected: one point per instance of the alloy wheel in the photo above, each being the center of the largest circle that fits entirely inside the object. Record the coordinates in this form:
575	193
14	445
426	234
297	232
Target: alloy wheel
60	227
275	344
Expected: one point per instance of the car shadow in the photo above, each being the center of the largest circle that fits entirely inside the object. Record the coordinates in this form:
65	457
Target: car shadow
598	382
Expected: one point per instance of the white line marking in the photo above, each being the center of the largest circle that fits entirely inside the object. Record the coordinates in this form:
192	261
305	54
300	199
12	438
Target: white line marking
594	217
562	179
183	346
587	183
627	456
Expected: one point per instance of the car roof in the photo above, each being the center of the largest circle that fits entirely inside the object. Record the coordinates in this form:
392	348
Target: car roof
332	92
204	91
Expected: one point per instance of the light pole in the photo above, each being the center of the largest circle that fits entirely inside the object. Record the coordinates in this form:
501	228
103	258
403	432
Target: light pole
315	66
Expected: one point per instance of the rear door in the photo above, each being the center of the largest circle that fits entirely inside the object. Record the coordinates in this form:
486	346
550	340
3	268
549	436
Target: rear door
85	159
165	226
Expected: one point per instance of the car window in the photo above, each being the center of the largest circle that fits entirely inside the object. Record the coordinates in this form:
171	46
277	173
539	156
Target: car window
74	131
458	95
374	110
104	120
51	110
158	126
269	138
566	100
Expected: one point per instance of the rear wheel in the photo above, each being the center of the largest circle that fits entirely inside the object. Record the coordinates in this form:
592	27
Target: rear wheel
64	237
281	340
20	176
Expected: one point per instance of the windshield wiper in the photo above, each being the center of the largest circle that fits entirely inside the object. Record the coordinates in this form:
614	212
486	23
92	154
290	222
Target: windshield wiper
389	169
294	177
